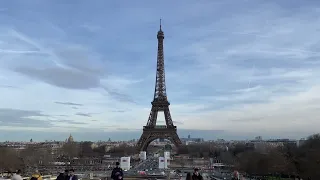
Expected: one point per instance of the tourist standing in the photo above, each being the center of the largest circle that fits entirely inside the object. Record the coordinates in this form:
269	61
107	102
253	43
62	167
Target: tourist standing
196	175
117	173
188	177
66	174
17	175
72	176
63	176
36	176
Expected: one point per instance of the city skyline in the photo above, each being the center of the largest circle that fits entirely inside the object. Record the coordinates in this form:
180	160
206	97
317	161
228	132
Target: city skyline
233	69
205	135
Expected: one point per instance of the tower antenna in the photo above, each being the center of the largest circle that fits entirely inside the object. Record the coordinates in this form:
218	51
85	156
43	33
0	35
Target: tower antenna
160	24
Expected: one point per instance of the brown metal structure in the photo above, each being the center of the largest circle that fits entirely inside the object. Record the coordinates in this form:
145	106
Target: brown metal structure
160	103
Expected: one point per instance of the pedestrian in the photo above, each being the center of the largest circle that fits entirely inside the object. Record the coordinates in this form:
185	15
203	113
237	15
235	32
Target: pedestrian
188	177
117	172
36	176
72	176
17	175
63	176
196	175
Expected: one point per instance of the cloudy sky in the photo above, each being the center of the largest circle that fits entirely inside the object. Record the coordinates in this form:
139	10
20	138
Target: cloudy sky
234	68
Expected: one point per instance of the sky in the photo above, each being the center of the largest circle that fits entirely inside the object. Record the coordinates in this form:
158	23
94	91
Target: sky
234	69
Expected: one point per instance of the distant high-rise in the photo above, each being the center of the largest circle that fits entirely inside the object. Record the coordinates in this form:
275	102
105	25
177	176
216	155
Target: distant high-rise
258	138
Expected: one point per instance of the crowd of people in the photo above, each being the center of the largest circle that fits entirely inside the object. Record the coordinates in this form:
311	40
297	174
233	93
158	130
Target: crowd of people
116	174
17	176
68	174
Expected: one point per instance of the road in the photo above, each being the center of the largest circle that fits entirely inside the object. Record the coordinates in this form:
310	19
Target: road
150	166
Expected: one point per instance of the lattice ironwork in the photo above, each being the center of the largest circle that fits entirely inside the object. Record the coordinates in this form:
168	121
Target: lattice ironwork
148	136
160	103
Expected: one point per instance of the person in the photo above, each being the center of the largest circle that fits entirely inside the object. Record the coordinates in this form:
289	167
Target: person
60	176
117	172
188	177
36	176
236	175
66	174
63	176
17	175
72	176
196	175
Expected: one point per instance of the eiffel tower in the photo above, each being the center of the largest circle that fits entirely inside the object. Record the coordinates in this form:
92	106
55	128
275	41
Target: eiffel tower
160	103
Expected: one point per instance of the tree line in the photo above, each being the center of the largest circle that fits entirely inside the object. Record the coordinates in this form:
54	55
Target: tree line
35	155
303	161
287	160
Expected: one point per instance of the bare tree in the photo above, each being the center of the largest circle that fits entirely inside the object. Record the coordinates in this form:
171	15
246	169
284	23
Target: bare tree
307	158
36	155
181	162
278	163
86	149
226	157
183	149
70	150
9	160
289	160
198	150
123	150
45	156
30	156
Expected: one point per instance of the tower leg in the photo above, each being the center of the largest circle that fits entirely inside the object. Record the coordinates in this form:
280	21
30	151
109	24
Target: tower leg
148	136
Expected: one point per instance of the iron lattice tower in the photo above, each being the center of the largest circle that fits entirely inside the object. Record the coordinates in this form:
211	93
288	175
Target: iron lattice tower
160	103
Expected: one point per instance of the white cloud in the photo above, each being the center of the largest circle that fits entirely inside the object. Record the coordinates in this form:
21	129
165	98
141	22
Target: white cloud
296	112
280	50
243	71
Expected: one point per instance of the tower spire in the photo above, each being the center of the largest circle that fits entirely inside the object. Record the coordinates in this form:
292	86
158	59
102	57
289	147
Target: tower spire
160	86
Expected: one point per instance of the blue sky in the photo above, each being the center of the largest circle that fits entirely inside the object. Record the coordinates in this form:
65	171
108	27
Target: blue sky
244	68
